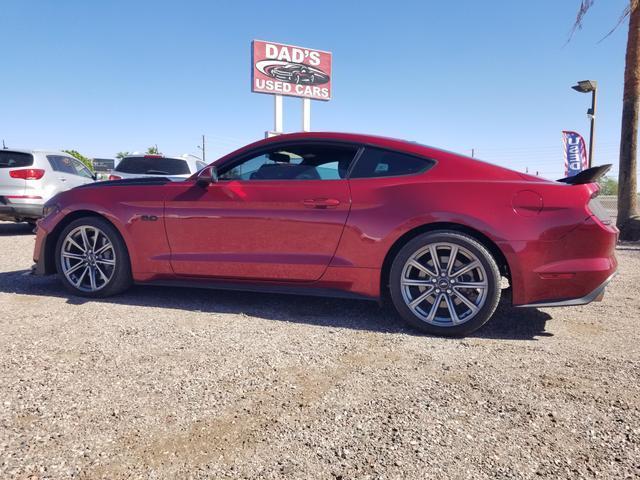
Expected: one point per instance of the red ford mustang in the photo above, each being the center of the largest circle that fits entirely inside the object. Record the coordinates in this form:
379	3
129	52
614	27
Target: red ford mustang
343	215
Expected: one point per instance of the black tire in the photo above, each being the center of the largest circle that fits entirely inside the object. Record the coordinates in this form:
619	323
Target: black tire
482	315
121	278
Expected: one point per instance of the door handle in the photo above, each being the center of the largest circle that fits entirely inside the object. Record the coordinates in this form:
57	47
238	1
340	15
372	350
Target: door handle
62	179
321	203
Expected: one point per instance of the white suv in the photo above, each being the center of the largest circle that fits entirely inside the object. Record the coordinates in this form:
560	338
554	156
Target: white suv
174	168
28	178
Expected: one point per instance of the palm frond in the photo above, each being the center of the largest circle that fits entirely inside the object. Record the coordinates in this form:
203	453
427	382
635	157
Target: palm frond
633	4
585	5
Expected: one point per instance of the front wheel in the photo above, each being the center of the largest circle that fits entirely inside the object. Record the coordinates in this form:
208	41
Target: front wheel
92	259
445	283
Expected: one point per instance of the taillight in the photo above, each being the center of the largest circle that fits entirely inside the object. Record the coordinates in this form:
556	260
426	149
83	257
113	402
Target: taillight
114	177
595	206
27	173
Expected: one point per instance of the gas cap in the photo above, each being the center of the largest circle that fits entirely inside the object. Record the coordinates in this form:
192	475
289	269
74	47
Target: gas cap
527	203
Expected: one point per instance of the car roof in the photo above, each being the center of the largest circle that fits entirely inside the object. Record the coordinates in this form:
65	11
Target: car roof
34	150
367	139
461	164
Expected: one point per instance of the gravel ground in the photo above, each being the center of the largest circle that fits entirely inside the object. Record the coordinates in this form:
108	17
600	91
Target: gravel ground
178	383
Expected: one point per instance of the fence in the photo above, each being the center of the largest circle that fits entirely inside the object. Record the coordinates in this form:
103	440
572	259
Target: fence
610	202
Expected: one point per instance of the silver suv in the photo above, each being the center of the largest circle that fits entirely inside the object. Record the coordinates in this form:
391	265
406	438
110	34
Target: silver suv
174	168
28	178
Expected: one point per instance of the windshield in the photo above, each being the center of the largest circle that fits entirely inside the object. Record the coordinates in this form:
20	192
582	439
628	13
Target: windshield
153	166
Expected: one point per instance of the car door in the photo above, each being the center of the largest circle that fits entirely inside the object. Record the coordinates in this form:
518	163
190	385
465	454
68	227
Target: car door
68	173
274	214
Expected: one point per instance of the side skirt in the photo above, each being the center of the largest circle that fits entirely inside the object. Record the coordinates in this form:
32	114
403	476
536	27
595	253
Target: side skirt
260	288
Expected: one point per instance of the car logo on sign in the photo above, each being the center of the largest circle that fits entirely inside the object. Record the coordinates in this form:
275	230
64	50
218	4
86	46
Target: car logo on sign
298	73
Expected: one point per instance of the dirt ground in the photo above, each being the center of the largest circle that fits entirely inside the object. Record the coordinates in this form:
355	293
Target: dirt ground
181	383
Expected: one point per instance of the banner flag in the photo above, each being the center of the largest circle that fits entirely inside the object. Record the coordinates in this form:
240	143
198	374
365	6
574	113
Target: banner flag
575	153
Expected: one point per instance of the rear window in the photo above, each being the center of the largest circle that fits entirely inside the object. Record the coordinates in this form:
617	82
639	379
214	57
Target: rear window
15	159
153	166
375	162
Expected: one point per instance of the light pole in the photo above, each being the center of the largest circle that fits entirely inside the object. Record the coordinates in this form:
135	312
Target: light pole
203	148
586	86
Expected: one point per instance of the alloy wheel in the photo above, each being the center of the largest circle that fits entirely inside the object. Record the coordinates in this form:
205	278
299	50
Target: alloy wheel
88	258
444	284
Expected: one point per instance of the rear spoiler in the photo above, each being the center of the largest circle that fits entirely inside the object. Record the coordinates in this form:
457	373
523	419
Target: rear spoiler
590	175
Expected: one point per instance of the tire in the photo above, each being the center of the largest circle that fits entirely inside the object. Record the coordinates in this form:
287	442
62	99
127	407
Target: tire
426	304
110	264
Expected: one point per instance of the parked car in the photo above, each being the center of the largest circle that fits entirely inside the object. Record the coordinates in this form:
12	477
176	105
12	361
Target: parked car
28	178
344	215
174	168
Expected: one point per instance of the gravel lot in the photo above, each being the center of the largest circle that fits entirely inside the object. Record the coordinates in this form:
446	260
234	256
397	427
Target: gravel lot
169	383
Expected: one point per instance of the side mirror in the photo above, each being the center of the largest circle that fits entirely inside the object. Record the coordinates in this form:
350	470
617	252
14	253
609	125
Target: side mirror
207	176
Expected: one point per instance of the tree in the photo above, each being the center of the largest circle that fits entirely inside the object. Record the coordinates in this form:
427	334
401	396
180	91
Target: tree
628	219
87	161
121	155
153	150
608	186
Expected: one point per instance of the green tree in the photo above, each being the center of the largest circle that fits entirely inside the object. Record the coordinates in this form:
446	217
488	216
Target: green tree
608	186
121	155
628	219
82	158
153	150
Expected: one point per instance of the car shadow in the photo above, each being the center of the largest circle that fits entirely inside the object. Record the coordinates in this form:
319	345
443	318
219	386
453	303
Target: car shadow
507	322
9	229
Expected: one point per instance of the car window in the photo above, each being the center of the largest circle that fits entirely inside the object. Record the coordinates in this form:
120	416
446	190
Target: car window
62	164
295	162
375	162
80	168
15	159
153	166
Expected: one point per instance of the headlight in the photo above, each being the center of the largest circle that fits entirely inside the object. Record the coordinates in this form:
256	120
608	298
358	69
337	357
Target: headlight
49	209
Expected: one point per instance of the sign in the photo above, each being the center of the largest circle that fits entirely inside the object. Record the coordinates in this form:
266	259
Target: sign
103	164
279	69
575	153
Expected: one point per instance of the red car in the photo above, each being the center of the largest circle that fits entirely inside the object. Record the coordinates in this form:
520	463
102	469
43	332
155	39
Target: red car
343	215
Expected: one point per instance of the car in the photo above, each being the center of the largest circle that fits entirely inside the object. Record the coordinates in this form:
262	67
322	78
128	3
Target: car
174	168
343	215
298	73
28	178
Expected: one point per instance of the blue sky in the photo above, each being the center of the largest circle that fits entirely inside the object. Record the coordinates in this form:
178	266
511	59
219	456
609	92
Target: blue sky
101	77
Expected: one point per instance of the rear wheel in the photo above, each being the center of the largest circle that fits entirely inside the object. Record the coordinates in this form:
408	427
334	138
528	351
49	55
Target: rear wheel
92	259
445	283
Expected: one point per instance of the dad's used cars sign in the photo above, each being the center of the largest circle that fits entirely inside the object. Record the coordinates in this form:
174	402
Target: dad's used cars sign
280	69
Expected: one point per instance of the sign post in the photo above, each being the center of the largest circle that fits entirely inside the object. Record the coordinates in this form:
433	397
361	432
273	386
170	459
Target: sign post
286	70
277	113
306	115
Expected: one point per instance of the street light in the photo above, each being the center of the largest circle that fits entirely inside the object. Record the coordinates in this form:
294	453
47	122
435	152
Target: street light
586	86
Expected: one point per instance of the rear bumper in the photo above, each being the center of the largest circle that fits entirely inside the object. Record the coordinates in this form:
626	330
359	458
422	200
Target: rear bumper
572	270
595	295
12	211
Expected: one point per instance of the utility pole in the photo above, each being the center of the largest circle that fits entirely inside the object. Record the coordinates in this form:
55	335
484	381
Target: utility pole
4	147
204	159
473	153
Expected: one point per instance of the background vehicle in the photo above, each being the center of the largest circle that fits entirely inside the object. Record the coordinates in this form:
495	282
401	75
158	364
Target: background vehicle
28	178
174	168
344	215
